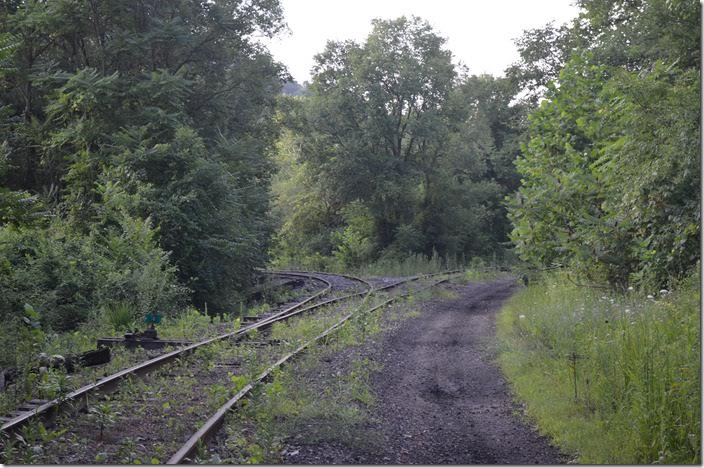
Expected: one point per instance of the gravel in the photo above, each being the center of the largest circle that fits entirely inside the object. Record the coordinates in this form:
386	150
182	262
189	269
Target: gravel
440	397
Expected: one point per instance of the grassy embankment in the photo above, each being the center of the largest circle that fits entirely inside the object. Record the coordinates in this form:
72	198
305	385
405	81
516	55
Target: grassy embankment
637	370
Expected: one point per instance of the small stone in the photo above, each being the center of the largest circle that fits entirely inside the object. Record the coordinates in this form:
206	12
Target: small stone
43	359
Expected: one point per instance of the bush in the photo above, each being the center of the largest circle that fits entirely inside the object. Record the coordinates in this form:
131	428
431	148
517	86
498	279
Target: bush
68	275
354	245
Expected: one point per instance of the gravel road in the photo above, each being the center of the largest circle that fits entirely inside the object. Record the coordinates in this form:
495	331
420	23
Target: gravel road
440	397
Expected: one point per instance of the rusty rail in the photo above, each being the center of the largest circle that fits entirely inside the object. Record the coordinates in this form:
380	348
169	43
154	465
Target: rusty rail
78	398
212	425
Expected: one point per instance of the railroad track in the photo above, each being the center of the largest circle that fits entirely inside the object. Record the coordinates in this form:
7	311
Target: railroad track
49	409
347	286
208	430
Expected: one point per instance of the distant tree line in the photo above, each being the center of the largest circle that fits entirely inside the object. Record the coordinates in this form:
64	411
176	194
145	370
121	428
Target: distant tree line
399	153
591	140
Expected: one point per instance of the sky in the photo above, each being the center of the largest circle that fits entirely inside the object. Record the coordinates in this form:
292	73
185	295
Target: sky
479	33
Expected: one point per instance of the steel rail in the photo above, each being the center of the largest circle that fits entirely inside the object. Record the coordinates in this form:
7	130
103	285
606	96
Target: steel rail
79	397
109	383
270	320
288	312
267	322
211	426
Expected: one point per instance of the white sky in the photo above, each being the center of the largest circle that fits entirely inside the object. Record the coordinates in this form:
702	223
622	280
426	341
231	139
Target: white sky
479	33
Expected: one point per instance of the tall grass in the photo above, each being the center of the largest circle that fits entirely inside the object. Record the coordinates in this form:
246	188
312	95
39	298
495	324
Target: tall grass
120	316
413	264
636	377
400	264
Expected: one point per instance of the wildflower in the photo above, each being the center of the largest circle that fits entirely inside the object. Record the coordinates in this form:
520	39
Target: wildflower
630	288
521	316
650	296
628	311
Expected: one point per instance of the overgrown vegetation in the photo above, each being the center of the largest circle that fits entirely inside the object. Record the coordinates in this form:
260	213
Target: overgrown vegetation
610	177
611	171
134	154
305	396
611	377
149	164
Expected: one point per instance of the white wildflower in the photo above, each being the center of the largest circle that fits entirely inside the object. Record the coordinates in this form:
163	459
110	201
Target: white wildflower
521	316
630	288
650	296
628	311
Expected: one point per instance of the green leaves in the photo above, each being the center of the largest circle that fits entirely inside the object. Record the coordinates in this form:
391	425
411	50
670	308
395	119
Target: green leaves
145	123
390	127
610	174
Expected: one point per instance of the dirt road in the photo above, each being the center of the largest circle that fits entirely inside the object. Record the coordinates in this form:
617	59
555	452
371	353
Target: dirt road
440	398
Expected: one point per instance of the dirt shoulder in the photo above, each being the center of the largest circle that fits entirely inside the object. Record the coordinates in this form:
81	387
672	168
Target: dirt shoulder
440	397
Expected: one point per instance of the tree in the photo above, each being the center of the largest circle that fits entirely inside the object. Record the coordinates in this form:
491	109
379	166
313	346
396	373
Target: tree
163	107
610	173
378	111
400	154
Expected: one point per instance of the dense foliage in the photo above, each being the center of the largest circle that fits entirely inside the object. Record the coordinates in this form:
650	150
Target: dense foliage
611	173
400	153
134	163
153	155
137	143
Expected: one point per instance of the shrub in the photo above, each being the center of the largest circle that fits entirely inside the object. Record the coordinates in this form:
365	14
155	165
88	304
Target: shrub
68	275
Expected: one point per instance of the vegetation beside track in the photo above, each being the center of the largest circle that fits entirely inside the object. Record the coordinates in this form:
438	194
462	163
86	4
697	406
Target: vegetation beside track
300	399
150	417
636	398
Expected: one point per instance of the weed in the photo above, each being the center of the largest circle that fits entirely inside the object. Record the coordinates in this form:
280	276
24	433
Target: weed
218	395
54	384
615	378
120	316
445	294
126	453
104	415
358	381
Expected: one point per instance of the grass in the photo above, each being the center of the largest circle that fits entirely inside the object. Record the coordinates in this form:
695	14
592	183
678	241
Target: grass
120	316
411	265
632	360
